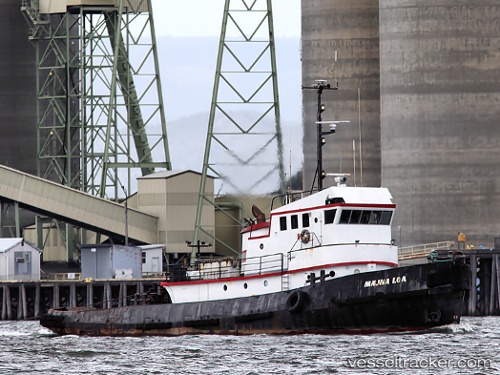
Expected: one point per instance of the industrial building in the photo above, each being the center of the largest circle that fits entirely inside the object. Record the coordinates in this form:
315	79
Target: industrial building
161	212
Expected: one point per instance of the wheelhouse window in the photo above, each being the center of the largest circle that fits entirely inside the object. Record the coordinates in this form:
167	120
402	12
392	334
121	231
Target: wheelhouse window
344	216
364	217
305	220
386	217
355	216
330	216
283	223
375	217
295	221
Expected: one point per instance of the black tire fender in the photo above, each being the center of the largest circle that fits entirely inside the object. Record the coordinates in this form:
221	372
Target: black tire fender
296	301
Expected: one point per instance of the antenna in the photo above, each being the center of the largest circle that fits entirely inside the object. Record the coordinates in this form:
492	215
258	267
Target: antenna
354	159
290	166
360	144
335	68
320	85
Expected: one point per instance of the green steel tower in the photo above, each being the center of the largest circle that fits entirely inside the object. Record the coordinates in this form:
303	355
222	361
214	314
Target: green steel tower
243	149
100	114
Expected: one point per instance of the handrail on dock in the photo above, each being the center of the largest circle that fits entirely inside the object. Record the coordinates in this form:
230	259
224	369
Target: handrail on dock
418	251
61	276
77	276
423	250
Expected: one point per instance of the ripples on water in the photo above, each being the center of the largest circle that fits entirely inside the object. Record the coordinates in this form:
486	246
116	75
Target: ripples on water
28	348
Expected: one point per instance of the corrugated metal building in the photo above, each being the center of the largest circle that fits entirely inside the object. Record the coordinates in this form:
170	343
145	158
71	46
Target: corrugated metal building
104	262
172	196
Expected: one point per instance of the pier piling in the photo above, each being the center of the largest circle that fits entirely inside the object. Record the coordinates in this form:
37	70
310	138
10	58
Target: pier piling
27	300
484	293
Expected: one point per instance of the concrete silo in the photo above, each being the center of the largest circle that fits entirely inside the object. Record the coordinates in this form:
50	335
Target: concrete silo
440	114
17	90
17	104
348	29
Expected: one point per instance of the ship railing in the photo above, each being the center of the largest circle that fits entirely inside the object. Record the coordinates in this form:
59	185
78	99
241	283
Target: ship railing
214	269
417	251
264	264
290	197
217	269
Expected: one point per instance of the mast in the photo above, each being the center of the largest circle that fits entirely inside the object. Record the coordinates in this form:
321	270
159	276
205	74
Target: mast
320	85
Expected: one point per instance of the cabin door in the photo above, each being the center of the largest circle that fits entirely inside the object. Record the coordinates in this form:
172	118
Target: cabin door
22	261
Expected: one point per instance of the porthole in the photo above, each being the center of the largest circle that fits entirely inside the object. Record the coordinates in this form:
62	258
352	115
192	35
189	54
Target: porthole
356	271
245	285
265	283
261	246
225	288
315	219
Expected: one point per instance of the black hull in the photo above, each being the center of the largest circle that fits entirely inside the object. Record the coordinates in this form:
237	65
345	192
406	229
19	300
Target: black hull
401	299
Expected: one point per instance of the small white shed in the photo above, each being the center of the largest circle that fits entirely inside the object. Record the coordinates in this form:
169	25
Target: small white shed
152	260
19	260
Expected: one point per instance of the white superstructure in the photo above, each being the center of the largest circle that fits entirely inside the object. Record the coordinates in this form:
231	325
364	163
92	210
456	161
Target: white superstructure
336	232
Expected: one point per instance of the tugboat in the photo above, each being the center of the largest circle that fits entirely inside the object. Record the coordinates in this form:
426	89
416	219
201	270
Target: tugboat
323	263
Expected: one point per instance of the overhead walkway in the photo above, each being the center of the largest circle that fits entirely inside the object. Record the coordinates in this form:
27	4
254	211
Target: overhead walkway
72	206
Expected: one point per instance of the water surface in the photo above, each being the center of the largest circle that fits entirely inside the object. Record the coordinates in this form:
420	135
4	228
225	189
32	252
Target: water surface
472	347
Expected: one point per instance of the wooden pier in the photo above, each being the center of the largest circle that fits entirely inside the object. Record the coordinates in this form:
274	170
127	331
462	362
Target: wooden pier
27	300
483	298
484	294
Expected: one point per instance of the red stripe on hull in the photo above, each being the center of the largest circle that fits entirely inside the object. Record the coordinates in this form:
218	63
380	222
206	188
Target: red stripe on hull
271	274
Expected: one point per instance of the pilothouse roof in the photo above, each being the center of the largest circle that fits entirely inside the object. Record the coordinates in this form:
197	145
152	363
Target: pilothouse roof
351	195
